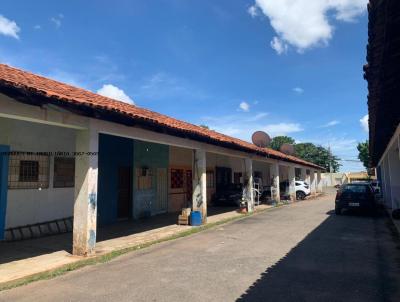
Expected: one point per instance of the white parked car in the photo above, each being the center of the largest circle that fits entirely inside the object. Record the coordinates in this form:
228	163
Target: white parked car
302	189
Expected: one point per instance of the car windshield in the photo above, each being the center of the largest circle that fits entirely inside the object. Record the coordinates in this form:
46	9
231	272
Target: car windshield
355	188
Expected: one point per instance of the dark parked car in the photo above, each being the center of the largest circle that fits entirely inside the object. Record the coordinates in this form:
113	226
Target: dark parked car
229	195
355	196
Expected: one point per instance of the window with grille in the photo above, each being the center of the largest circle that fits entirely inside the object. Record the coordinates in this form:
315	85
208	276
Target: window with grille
177	178
210	179
28	171
64	172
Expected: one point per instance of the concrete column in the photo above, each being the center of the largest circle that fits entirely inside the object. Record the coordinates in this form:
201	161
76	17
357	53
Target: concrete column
248	183
292	183
199	199
383	182
388	197
275	191
319	182
313	185
394	170
303	175
308	177
85	207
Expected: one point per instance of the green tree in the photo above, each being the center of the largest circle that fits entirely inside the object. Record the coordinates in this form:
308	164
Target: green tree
204	126
278	141
317	155
363	153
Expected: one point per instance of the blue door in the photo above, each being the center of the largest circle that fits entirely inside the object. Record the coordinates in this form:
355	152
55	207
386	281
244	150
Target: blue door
3	187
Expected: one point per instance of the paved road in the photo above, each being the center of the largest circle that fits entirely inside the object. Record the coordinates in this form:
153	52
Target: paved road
302	252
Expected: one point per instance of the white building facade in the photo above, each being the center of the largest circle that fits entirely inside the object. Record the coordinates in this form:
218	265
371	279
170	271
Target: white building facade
69	153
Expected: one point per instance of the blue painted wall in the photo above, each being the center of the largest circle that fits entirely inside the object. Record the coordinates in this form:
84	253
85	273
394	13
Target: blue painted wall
113	152
152	156
3	187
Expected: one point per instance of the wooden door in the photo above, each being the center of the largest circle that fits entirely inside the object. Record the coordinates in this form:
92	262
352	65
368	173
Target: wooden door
161	203
124	191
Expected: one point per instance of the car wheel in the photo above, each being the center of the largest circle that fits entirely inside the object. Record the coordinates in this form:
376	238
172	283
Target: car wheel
338	211
300	195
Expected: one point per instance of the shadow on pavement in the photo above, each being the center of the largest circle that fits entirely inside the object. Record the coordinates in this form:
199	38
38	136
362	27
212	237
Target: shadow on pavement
18	250
352	257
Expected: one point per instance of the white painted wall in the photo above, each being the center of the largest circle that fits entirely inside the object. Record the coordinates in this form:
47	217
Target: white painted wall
28	206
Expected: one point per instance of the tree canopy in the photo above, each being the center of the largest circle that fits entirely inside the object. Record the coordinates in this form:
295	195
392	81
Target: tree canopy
278	141
309	152
363	153
317	155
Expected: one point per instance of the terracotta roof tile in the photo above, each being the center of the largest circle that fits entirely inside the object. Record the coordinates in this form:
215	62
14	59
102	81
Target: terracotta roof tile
26	81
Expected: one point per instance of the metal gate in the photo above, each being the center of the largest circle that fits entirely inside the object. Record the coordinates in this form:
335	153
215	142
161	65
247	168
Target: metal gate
161	203
3	187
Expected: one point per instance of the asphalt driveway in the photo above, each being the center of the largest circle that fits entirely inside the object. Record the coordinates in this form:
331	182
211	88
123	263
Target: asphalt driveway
301	252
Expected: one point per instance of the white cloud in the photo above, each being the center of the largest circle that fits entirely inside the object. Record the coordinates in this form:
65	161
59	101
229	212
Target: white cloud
330	124
282	128
279	46
364	123
243	125
164	86
298	90
304	24
57	20
8	27
115	93
37	26
244	106
253	11
257	117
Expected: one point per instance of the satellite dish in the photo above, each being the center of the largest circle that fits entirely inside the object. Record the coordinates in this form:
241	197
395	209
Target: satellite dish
287	149
261	139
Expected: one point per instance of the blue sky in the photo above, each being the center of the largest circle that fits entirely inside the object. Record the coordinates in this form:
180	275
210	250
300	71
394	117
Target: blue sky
236	66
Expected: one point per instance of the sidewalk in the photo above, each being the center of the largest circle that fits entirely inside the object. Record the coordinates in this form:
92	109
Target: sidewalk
28	269
45	265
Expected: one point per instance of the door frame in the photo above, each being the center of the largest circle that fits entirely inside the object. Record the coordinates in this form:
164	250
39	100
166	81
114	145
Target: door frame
4	150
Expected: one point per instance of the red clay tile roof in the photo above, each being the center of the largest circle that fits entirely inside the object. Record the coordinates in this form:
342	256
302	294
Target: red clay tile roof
30	83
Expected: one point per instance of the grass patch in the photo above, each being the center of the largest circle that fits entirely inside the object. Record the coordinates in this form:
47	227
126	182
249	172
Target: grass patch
114	254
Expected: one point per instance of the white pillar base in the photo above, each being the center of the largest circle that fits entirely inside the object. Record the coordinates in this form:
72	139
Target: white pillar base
275	190
85	207
292	183
199	199
248	182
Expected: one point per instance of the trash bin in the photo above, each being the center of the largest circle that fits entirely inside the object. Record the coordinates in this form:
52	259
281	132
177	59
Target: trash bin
195	218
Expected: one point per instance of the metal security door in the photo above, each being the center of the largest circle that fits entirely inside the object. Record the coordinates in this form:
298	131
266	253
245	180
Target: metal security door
124	192
4	150
161	203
